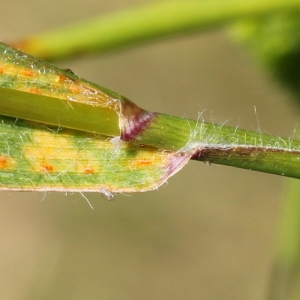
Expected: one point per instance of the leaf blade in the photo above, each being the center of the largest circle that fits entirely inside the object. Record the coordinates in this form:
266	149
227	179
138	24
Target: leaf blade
38	158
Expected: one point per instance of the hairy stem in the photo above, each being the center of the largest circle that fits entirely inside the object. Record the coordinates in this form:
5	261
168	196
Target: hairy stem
224	145
35	90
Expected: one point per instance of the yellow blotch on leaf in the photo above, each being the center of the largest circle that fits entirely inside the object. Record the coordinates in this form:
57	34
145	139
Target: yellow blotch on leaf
50	153
6	163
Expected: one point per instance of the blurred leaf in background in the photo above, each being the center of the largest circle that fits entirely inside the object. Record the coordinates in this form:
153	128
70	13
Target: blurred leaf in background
275	41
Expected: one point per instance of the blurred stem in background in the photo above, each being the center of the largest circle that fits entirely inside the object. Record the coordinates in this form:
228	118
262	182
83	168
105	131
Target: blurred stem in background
159	19
285	279
271	29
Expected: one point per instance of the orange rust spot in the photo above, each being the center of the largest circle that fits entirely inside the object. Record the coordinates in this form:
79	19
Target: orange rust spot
74	89
3	163
1	70
27	72
47	168
145	162
34	91
89	170
62	78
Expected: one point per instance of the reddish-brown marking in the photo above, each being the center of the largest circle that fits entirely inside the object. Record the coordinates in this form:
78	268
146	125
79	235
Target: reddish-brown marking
89	170
34	91
1	70
3	163
63	78
74	89
27	72
144	162
136	121
47	168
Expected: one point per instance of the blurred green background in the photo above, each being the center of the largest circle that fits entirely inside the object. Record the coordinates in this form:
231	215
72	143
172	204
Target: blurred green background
207	234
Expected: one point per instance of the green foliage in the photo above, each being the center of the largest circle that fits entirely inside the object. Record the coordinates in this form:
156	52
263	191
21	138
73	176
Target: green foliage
275	40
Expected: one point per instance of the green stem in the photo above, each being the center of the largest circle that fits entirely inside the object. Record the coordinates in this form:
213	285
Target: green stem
145	23
35	90
224	145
